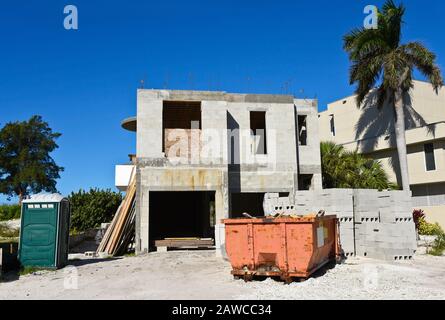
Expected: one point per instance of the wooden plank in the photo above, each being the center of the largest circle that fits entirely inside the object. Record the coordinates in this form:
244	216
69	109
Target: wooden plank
128	233
125	217
167	242
109	231
184	243
129	197
116	232
120	218
180	239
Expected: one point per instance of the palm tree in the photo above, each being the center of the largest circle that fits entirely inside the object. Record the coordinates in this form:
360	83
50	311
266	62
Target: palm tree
380	63
349	169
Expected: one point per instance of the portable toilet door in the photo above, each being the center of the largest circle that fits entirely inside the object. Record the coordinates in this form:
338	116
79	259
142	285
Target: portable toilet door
44	232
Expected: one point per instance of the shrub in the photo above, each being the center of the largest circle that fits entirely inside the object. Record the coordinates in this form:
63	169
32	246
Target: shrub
344	169
9	212
438	246
90	209
418	216
429	229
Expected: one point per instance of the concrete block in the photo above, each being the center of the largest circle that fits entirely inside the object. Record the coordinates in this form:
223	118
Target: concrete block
272	195
345	220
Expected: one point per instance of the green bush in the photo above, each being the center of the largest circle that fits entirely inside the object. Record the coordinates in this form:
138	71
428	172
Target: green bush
351	170
90	209
9	212
429	229
438	245
432	229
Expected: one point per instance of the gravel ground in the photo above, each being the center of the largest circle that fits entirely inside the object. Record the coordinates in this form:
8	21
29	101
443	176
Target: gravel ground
200	275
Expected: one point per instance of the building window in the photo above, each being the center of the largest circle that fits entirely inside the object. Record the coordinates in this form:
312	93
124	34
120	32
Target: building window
258	130
430	161
332	124
302	130
185	115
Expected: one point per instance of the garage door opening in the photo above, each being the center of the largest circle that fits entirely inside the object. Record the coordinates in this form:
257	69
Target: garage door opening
181	214
251	203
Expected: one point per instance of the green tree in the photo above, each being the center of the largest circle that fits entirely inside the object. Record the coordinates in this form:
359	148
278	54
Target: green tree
345	169
379	61
25	162
90	209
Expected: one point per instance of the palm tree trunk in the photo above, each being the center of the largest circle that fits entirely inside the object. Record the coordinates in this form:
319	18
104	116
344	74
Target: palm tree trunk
401	140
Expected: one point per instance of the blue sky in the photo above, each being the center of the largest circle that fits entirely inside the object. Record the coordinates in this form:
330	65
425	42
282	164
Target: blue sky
84	82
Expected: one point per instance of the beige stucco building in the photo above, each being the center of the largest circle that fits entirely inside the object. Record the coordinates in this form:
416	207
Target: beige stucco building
372	133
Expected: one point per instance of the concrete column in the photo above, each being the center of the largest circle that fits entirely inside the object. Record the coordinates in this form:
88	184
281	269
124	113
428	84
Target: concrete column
222	212
317	183
138	211
144	220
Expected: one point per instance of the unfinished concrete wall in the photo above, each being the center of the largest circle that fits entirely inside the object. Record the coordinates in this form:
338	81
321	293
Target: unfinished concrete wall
371	223
309	158
149	125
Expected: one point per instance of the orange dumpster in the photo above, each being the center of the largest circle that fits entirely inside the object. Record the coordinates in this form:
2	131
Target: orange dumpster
286	247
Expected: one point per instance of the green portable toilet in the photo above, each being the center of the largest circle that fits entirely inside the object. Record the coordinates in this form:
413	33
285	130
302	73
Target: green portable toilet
44	232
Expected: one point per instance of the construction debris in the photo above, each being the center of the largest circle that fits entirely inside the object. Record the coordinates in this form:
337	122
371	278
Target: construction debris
121	232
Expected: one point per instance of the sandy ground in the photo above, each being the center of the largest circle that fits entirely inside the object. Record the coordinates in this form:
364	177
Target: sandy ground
200	275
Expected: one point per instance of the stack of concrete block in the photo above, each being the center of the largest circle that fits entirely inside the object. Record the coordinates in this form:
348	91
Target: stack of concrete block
366	206
339	202
270	202
384	226
386	241
305	202
395	207
273	204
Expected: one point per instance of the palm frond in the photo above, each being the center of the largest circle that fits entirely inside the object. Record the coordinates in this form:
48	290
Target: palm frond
349	169
392	20
424	60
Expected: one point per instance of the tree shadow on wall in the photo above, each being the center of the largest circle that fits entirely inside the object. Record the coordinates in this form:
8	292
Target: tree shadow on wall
375	122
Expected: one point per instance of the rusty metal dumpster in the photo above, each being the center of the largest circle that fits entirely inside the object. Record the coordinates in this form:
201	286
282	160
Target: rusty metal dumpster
286	247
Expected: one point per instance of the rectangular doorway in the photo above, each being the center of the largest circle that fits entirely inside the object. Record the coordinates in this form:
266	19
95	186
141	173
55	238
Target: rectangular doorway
181	214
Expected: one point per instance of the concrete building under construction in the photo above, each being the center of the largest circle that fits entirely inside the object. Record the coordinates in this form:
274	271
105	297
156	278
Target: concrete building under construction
204	156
